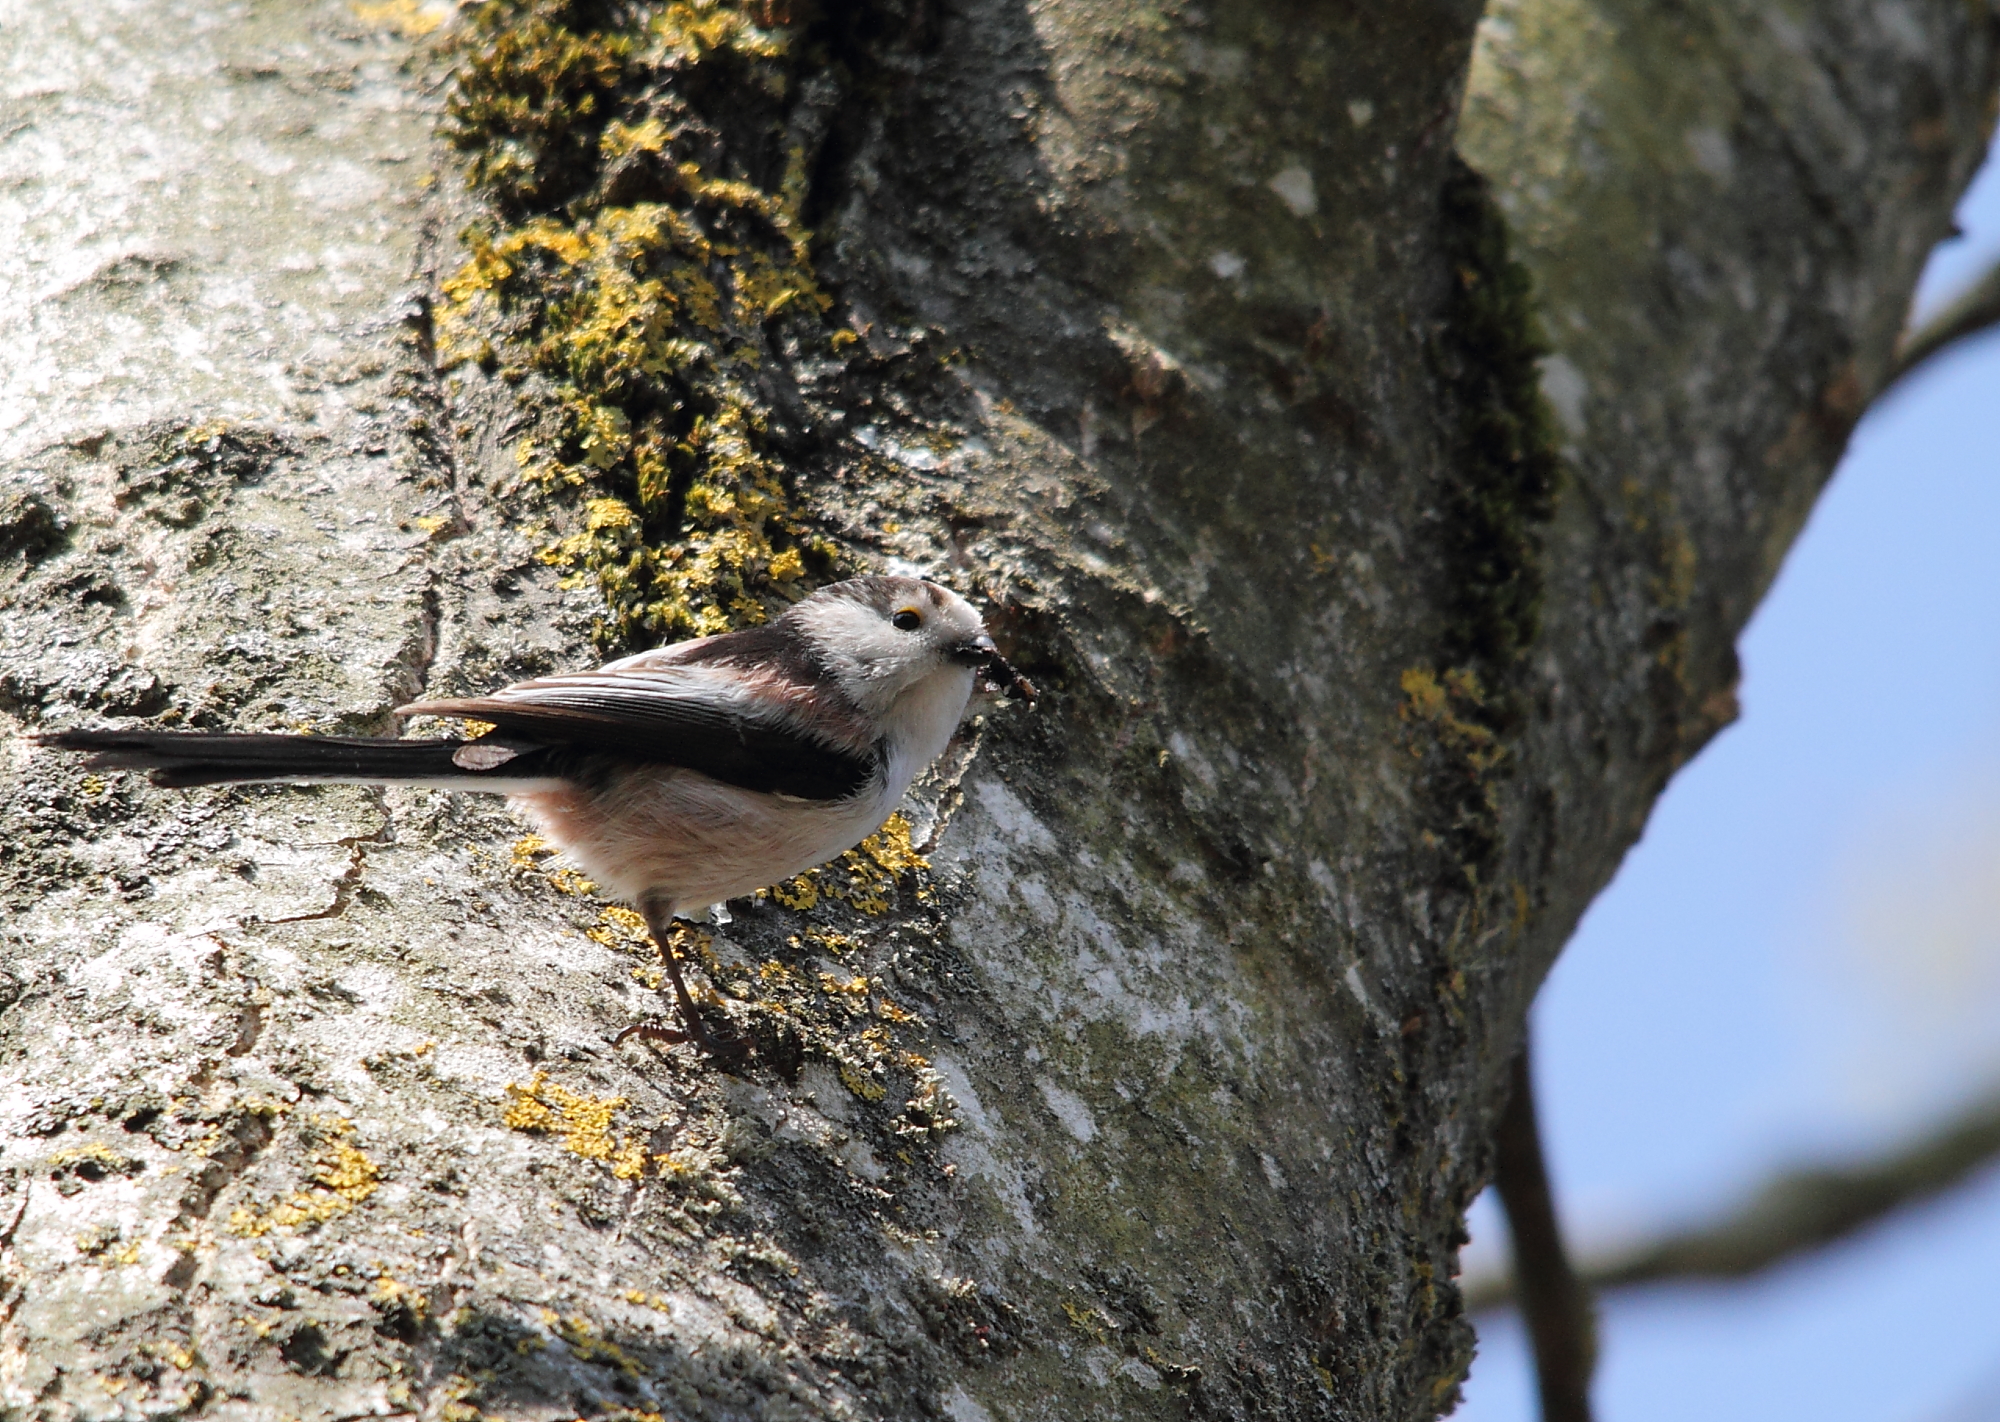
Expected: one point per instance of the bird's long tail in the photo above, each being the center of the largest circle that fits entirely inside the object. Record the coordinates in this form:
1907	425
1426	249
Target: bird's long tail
204	758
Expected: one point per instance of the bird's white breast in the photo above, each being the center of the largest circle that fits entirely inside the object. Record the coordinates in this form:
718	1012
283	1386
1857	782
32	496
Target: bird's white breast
920	725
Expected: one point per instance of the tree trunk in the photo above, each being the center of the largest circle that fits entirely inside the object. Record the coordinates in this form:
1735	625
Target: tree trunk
1150	1071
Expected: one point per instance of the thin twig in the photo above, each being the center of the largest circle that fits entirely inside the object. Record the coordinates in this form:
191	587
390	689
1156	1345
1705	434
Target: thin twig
1973	310
1798	1211
1555	1303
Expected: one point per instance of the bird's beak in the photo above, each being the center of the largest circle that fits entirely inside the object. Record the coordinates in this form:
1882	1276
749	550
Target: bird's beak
995	670
975	653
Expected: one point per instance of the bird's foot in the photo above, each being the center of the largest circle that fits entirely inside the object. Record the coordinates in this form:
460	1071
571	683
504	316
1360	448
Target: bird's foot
726	1051
652	1032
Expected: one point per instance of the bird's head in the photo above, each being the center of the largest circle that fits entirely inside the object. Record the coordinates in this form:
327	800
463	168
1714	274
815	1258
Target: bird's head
883	636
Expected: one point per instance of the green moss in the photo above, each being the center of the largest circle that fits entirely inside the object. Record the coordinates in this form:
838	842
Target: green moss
1501	492
533	97
1449	731
646	256
1506	464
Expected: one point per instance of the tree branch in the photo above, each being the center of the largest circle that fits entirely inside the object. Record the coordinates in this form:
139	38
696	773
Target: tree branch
1800	1210
1974	310
1556	1303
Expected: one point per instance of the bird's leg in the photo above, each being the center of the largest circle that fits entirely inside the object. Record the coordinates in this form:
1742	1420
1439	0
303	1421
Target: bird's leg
660	923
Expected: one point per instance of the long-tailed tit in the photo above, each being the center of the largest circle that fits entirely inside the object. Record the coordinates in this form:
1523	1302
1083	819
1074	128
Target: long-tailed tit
682	776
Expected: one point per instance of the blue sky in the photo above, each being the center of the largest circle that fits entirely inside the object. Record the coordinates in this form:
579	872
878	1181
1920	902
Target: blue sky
1801	958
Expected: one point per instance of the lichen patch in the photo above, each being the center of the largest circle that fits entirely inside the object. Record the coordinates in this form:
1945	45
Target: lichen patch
584	1122
648	285
343	1177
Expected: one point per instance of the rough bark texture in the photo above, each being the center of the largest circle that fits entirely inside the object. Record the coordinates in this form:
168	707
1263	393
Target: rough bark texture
1184	341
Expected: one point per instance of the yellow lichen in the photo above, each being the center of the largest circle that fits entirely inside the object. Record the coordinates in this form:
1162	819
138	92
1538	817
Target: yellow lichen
586	1346
524	106
831	942
95	1152
874	866
406	17
866	1087
98	1243
1085	1320
530	854
868	876
618	927
343	1177
456	1389
394	1293
1450	732
800	893
648	319
639	284
1448	704
890	847
695	31
545	1107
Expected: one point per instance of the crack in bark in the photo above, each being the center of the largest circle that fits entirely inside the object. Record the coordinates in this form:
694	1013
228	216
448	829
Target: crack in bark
249	1137
249	1027
349	878
20	1209
418	653
432	430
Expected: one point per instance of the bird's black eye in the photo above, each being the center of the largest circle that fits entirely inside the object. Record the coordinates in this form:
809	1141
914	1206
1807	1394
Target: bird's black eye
907	620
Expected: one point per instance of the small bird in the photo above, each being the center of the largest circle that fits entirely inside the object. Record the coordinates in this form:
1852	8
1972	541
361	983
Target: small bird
682	776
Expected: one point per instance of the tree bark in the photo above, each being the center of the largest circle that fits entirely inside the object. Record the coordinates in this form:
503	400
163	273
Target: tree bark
1152	1074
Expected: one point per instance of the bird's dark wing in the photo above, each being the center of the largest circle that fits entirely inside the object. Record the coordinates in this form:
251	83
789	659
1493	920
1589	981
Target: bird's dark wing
706	719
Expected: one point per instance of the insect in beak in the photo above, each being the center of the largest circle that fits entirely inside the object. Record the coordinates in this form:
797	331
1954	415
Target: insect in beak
995	670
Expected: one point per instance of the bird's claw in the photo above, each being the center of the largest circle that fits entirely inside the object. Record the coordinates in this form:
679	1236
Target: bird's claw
726	1050
652	1032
